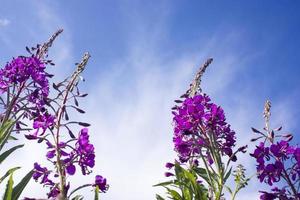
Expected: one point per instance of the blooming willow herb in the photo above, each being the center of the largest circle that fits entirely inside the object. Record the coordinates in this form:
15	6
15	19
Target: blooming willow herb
198	121
25	83
278	162
24	90
202	136
67	155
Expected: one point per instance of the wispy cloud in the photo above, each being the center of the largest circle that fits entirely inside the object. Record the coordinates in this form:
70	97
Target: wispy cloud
133	123
4	22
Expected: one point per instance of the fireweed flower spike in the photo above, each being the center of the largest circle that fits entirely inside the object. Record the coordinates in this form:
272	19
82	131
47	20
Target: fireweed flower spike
24	92
277	161
67	152
202	136
25	83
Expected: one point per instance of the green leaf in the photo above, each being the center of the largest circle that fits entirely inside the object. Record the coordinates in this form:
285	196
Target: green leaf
202	173
164	183
9	189
174	194
96	193
77	197
158	197
228	188
18	189
4	155
12	138
10	171
227	175
189	175
187	193
5	131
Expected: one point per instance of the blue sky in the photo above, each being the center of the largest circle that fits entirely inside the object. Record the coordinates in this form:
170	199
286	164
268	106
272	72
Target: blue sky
144	54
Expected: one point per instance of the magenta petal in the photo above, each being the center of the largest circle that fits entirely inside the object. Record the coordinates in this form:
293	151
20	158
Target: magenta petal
50	154
71	169
31	137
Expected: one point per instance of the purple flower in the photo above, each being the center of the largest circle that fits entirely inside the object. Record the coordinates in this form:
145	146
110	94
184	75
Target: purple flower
85	151
194	121
54	192
71	169
22	69
281	150
260	153
101	183
297	156
277	193
43	173
43	122
50	154
267	196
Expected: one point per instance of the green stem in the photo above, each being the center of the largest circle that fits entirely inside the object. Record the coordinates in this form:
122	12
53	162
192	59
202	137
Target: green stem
208	173
60	167
218	163
234	194
12	103
290	183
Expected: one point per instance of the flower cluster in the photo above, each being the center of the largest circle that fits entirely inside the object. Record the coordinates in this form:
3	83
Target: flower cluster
21	69
276	162
198	121
41	122
81	154
85	151
100	182
25	82
276	194
24	85
42	174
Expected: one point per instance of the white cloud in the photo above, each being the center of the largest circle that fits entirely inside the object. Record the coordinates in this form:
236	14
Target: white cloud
4	22
133	120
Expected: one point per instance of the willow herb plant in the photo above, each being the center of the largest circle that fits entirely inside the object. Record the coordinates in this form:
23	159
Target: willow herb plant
24	89
26	85
205	143
278	162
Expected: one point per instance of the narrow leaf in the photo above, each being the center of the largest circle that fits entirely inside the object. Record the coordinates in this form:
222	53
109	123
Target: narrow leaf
78	109
76	102
255	130
9	172
227	175
4	155
84	124
77	197
83	95
18	189
174	194
5	131
12	137
9	189
164	183
229	190
158	197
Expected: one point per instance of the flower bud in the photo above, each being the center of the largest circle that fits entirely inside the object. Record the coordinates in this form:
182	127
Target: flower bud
169	165
168	174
